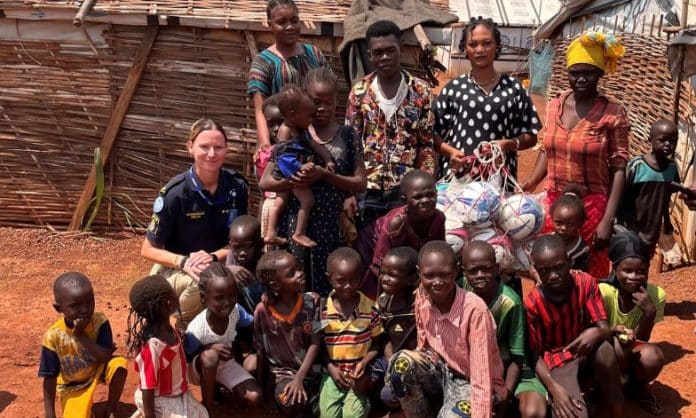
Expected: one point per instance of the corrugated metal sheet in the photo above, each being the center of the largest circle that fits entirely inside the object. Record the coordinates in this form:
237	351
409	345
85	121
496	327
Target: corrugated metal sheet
528	13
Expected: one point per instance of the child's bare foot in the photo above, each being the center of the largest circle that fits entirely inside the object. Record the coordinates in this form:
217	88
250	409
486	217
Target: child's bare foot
274	240
304	240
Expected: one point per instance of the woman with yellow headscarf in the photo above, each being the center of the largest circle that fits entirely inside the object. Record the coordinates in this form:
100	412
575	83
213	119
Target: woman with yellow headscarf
586	143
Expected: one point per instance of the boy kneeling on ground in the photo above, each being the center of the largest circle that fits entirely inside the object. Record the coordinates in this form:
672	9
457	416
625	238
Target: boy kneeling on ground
569	334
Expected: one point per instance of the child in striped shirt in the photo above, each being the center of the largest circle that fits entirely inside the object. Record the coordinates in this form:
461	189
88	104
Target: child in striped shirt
457	358
160	363
569	334
351	329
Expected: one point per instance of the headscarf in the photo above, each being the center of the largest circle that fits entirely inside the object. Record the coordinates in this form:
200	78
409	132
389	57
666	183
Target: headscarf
595	48
624	245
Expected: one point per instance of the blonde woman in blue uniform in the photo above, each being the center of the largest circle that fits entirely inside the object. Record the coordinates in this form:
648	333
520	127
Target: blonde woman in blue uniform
192	215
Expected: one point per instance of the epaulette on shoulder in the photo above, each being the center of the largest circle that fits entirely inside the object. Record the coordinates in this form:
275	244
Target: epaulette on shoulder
176	180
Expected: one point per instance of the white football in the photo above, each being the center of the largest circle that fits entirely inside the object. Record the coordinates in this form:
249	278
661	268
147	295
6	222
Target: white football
455	242
477	205
521	217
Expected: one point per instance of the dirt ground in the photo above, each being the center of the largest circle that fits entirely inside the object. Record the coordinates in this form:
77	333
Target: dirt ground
32	259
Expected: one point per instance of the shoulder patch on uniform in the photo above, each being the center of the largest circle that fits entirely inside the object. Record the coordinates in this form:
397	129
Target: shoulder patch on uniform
158	205
153	228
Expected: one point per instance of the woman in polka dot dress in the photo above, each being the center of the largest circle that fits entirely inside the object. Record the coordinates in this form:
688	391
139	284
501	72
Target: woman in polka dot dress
483	105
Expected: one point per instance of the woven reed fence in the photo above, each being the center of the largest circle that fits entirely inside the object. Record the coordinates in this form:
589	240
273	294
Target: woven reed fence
54	105
55	102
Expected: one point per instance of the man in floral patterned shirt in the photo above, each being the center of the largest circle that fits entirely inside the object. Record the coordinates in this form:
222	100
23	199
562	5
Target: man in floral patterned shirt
390	111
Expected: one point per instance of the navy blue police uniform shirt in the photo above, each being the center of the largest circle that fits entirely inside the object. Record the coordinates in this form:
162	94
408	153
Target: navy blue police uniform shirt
186	218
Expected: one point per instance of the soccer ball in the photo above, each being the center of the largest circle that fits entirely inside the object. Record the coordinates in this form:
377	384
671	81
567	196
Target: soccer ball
521	251
477	205
501	245
486	235
457	239
521	217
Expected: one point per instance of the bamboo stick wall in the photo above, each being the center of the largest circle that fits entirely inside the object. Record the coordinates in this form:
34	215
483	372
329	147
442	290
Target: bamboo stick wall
55	102
54	105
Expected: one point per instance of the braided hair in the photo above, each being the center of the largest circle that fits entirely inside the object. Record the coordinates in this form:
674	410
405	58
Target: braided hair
473	23
272	4
213	271
148	298
267	272
323	75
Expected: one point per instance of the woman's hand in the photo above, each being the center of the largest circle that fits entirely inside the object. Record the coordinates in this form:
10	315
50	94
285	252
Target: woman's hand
603	233
196	263
457	160
261	148
308	175
350	207
527	186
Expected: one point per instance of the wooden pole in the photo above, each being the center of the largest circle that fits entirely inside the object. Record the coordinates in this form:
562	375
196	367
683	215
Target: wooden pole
85	8
685	14
422	38
115	121
677	86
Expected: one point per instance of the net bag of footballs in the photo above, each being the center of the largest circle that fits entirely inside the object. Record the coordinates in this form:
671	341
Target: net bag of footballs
486	203
470	199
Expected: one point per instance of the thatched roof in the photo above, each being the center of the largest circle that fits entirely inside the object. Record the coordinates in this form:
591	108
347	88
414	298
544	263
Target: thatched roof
234	12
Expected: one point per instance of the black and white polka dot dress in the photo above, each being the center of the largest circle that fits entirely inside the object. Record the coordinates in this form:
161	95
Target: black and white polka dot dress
465	115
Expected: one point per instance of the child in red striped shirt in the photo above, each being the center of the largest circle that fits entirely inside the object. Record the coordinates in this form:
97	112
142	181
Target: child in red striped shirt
569	334
160	362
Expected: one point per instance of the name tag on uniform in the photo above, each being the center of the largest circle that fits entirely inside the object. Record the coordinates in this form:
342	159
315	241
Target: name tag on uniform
195	215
